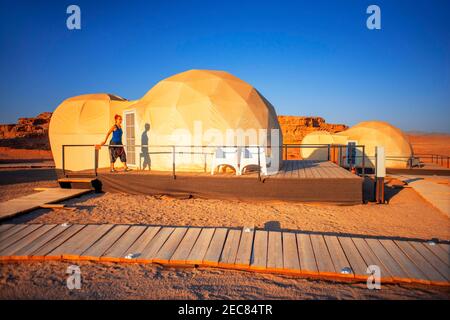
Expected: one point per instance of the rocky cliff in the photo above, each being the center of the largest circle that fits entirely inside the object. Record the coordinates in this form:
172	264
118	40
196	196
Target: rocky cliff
27	133
295	128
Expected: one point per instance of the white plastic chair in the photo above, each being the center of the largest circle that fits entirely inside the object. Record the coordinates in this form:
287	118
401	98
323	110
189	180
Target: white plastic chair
249	156
226	156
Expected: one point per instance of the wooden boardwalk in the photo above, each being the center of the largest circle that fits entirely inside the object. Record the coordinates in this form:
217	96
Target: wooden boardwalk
295	253
36	200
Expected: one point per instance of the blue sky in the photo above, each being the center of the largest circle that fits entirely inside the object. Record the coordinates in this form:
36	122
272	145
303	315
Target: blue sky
306	57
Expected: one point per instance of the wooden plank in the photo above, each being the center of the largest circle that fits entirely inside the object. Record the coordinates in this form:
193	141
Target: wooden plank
10	231
291	169
52	206
95	251
69	231
312	169
170	245
407	265
119	250
397	272
446	248
437	263
424	266
306	256
155	244
76	249
291	261
18	235
214	251
31	202
340	262
323	259
328	171
322	170
295	169
229	252
73	247
301	170
134	253
371	259
357	262
84	180
26	251
10	252
306	169
198	252
259	254
184	249
275	251
439	252
6	226
244	253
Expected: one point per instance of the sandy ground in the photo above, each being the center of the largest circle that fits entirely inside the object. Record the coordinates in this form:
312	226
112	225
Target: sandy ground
430	143
37	280
11	154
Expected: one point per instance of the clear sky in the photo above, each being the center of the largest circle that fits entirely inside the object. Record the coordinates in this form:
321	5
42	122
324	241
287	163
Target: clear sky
306	57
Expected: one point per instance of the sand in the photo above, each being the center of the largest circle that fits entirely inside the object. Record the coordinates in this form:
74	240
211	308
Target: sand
47	280
8	154
430	143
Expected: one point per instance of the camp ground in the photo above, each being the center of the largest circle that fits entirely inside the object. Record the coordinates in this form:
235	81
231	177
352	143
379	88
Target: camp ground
224	150
189	127
333	169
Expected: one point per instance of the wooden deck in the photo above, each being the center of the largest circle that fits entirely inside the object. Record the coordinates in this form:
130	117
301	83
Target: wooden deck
298	180
290	169
292	252
37	200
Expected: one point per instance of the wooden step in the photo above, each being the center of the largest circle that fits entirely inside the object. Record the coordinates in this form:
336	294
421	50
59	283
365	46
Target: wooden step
76	180
67	182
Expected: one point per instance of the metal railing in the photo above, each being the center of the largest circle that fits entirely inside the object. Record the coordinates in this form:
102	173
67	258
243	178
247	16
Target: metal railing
331	153
439	159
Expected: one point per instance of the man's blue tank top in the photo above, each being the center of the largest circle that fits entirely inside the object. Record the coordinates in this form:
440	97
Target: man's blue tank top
117	135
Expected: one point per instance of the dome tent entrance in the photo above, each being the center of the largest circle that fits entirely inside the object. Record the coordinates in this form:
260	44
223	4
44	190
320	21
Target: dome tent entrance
196	107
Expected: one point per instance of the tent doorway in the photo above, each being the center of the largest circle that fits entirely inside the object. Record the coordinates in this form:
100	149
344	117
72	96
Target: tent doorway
130	136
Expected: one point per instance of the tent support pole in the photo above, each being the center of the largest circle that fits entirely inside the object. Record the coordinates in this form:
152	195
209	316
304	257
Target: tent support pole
63	161
259	165
363	161
173	163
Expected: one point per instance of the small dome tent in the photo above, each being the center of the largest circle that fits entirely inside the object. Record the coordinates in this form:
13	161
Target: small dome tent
370	134
83	119
398	150
315	138
196	107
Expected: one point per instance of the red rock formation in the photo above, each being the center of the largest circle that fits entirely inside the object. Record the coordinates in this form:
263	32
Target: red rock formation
27	133
294	128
